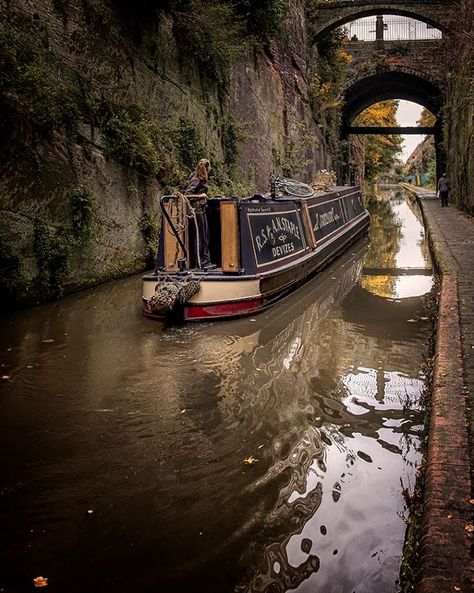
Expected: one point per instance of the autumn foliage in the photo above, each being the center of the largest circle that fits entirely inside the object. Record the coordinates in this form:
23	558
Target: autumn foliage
380	150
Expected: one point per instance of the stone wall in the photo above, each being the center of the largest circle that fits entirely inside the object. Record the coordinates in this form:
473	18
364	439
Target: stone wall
44	177
459	109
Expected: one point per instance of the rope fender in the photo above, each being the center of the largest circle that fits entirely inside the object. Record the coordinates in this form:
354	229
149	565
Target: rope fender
171	293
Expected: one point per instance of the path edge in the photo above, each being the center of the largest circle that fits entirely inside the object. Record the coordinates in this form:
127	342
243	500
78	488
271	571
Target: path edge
445	562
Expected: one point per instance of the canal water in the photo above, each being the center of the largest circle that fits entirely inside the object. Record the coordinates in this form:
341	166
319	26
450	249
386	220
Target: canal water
122	443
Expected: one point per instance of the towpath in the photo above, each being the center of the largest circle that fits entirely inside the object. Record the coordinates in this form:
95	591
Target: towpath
446	562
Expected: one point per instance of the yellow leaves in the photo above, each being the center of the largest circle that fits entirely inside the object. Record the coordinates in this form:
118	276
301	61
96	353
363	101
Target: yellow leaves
383	113
40	582
380	149
426	118
469	528
250	460
344	56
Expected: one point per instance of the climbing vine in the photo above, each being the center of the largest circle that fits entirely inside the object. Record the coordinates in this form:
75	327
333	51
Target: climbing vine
83	205
11	279
53	248
326	89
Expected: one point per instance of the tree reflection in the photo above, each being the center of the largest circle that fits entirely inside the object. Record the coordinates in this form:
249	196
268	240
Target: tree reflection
385	236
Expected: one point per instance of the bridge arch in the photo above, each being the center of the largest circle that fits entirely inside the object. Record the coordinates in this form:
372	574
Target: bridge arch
372	86
334	15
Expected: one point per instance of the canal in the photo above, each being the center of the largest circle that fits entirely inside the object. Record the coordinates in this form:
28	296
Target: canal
260	454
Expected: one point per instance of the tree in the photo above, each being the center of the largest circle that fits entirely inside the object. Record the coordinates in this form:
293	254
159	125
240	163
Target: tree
380	150
427	119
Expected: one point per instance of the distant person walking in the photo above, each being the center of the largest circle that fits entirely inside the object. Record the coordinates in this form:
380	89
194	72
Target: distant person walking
443	189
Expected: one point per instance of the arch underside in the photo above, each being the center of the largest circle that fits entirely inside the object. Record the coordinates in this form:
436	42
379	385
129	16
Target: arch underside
380	9
389	85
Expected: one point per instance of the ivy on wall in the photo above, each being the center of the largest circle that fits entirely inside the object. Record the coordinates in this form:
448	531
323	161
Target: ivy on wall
458	112
54	246
330	71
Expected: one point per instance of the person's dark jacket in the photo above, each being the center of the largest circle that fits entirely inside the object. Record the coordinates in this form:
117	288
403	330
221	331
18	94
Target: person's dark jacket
196	186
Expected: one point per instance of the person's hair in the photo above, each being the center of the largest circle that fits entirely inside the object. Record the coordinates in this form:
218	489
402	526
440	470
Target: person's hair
202	169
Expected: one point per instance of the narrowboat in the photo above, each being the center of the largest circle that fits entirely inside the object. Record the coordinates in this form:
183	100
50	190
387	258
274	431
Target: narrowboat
264	247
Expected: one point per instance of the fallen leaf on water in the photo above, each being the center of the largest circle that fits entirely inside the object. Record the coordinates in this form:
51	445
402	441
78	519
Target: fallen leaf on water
250	460
40	582
48	341
469	527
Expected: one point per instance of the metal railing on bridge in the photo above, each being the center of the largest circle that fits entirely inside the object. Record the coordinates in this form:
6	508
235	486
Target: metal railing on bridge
394	29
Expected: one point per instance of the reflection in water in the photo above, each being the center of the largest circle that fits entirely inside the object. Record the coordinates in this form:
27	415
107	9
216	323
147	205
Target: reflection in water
149	427
398	251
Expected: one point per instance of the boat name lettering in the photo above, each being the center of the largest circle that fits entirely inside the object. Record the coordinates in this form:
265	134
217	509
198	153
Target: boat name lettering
269	232
326	218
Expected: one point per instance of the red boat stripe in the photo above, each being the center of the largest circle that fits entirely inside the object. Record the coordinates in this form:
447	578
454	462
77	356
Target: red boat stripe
222	310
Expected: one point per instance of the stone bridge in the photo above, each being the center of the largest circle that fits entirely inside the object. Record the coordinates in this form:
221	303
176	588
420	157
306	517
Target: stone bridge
331	15
380	70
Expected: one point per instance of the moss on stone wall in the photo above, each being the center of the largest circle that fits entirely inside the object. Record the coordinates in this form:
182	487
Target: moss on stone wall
329	74
11	279
98	97
458	113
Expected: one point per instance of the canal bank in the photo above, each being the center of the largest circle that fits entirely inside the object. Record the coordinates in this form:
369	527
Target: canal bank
445	560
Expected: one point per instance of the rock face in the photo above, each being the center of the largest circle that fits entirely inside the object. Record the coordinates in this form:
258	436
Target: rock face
459	111
75	210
